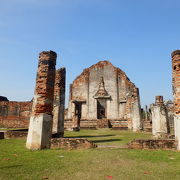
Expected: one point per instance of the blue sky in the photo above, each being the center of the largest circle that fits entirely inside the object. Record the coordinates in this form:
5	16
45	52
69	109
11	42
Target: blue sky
137	36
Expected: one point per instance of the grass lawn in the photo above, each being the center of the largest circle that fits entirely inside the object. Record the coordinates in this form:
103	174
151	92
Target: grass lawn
16	162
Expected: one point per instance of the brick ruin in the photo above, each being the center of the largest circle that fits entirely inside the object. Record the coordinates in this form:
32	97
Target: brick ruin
15	114
103	96
147	116
40	128
159	116
176	93
59	102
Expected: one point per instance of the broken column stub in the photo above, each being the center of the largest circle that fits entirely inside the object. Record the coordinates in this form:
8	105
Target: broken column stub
160	126
176	93
59	102
40	127
136	114
159	100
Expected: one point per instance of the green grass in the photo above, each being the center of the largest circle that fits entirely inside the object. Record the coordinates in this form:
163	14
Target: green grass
108	136
16	162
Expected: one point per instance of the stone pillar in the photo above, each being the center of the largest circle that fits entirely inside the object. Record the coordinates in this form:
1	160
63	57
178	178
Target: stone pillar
160	127
76	123
136	113
129	112
146	113
176	93
40	127
59	102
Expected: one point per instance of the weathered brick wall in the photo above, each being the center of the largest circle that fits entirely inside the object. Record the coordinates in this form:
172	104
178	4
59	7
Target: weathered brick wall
95	123
15	134
15	114
153	144
71	143
176	92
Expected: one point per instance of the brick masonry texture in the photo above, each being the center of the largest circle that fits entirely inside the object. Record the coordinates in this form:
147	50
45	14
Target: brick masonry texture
45	83
15	114
165	144
176	93
15	134
71	143
176	80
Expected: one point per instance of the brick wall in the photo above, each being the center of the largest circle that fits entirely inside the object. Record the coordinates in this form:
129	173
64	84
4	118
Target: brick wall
15	114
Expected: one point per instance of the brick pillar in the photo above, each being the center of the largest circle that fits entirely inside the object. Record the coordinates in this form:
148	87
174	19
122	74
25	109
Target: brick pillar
159	100
129	112
160	125
176	93
40	127
59	102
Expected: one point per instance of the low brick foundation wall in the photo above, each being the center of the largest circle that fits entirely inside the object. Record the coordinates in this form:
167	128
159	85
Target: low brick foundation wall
167	144
120	124
71	143
14	134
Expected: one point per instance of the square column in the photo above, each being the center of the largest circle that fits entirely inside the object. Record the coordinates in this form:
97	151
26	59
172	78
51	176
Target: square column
40	127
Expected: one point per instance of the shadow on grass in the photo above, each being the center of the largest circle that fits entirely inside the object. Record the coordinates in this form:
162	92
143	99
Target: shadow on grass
88	136
106	140
6	167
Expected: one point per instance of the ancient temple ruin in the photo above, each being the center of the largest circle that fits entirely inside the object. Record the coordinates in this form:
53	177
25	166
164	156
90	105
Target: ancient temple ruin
103	96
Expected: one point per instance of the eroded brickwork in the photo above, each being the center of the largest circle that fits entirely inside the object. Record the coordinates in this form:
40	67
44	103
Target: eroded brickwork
59	102
176	93
15	114
40	128
166	144
71	143
44	90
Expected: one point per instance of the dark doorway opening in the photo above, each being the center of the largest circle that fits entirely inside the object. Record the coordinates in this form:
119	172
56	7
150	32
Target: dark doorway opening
78	109
101	108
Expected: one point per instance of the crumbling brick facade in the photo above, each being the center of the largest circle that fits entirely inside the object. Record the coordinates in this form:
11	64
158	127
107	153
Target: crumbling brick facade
104	92
15	114
40	128
176	92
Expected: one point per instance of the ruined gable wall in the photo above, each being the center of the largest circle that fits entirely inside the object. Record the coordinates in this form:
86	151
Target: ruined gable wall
117	84
127	93
106	70
15	114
